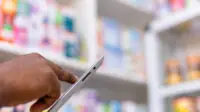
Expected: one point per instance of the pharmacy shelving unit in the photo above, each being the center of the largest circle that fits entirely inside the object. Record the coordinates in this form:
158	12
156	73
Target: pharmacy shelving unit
157	48
110	84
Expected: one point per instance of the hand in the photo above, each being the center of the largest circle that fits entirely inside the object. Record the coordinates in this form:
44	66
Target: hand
31	77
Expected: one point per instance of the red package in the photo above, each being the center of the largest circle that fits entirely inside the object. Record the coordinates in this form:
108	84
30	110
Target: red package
177	5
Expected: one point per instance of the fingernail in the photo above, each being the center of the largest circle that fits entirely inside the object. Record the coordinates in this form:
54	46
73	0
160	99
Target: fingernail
76	78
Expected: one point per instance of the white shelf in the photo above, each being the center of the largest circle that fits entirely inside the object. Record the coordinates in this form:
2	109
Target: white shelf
119	75
124	12
173	19
61	60
134	7
181	89
68	63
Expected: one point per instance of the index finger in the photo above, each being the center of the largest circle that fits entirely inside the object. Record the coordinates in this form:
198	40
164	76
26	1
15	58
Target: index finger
62	74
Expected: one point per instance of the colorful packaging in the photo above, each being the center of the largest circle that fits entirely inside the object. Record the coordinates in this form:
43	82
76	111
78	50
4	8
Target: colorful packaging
137	52
83	49
111	33
21	30
136	42
177	5
106	107
173	72
8	9
99	107
162	8
23	8
67	108
71	46
6	109
91	101
115	106
184	104
100	43
112	45
129	106
71	41
35	24
193	63
19	108
126	48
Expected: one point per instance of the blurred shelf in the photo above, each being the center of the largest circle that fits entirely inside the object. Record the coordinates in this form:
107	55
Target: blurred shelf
181	89
124	12
64	2
120	75
59	59
173	19
134	7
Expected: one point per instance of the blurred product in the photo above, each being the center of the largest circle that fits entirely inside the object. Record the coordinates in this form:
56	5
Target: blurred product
71	41
83	49
129	106
21	26
87	100
121	46
43	25
137	51
19	108
184	27
177	5
46	39
188	3
115	106
8	9
126	47
111	42
162	8
193	67
173	72
54	29
184	104
6	109
35	24
100	47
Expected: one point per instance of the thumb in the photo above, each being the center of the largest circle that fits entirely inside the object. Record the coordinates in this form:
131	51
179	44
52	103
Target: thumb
45	102
42	104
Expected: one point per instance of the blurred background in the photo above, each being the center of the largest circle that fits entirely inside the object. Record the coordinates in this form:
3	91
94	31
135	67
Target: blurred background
151	49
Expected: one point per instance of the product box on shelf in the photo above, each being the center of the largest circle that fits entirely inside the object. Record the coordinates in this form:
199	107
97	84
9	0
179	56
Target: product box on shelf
122	47
42	24
8	9
162	8
177	5
186	104
70	38
111	43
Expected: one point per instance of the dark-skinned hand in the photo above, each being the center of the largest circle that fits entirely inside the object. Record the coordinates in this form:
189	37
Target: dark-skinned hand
31	77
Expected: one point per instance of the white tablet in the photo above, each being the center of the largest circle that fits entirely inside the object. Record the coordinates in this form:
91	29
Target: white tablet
63	99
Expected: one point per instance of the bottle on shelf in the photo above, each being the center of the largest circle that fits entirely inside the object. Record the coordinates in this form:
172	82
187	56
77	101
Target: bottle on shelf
184	104
8	9
193	63
173	72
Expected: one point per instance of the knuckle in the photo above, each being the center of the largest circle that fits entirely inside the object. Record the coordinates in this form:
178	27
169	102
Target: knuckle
50	75
37	55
